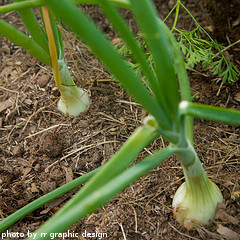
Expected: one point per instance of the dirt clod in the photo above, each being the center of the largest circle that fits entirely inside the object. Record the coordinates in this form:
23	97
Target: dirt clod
50	145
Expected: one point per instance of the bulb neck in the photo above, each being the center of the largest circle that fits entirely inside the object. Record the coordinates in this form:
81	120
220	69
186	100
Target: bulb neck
192	167
196	199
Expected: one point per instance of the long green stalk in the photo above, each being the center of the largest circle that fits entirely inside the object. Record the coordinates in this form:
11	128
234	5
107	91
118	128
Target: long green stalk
20	5
158	45
128	37
22	40
38	3
122	28
31	23
182	76
140	138
11	219
100	196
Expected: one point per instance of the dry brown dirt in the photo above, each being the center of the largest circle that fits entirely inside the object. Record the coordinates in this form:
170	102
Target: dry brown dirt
41	149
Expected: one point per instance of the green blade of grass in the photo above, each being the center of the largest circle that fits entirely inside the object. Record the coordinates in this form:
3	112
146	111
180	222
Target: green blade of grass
98	197
217	114
91	35
20	39
31	23
22	212
158	45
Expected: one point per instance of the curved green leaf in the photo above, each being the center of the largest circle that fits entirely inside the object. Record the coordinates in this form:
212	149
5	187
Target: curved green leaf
22	212
96	198
22	40
31	23
217	114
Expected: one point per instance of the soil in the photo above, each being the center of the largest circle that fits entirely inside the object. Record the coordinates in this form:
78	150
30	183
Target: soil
225	16
41	149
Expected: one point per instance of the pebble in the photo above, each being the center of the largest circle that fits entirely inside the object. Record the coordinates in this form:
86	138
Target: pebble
43	80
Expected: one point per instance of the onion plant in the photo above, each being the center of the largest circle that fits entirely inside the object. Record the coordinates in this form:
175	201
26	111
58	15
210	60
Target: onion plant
164	92
46	45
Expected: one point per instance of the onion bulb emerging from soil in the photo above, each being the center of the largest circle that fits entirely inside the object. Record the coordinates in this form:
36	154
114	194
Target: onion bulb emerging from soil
196	200
73	100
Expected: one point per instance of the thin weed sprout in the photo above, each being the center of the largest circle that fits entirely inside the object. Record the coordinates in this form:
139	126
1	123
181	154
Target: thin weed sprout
198	50
170	116
194	47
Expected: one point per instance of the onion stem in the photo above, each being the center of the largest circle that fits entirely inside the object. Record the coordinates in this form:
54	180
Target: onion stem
52	46
73	100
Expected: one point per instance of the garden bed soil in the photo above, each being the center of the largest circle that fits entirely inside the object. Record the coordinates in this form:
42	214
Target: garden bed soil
41	149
